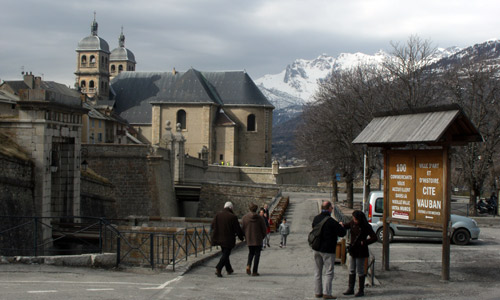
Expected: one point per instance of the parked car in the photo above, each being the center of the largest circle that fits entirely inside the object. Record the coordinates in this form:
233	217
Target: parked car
463	229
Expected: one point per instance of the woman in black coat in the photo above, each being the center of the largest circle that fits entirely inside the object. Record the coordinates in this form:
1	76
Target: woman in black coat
362	235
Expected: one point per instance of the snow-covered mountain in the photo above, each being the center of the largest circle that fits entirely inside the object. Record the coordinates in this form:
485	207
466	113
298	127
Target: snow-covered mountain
296	85
298	82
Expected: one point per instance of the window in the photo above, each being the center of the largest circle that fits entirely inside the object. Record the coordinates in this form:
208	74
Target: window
181	118
100	124
99	137
84	59
379	205
91	84
221	157
93	123
92	59
113	68
120	68
251	122
82	84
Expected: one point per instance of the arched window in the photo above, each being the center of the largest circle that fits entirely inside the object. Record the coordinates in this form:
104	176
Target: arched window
83	83
92	59
120	68
181	118
251	122
84	59
91	84
113	68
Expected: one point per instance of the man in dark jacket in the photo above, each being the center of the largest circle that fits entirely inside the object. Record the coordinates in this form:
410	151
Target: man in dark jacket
325	257
254	228
225	227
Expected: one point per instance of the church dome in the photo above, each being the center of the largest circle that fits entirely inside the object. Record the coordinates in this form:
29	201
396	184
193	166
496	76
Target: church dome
121	53
93	42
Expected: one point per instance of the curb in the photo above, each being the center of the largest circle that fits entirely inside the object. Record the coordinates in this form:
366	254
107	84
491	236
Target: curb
200	261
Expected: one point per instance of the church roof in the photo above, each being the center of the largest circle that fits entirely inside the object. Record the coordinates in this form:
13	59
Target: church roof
134	92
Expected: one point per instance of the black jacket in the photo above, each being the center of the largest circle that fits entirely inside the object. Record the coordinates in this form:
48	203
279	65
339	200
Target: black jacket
225	228
330	232
360	234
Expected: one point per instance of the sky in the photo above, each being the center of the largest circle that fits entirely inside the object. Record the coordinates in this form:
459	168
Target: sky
259	36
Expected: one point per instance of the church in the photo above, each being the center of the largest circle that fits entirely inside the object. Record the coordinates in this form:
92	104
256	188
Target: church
223	116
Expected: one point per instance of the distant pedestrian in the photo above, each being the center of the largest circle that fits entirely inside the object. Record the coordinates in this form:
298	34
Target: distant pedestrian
362	235
265	241
284	230
225	228
254	228
325	256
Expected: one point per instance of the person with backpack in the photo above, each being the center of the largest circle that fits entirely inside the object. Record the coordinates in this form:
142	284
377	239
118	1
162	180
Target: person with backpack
324	252
362	235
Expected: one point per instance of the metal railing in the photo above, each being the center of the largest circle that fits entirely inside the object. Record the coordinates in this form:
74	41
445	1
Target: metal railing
158	249
24	236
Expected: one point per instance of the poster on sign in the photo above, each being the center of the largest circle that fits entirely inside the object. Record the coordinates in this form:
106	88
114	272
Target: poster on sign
401	185
429	186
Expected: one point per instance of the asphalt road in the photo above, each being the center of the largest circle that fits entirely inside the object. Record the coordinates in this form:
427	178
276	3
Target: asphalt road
285	273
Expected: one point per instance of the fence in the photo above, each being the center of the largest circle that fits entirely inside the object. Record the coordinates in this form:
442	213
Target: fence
22	236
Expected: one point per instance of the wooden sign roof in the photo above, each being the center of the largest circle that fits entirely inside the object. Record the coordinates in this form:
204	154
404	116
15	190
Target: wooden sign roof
433	125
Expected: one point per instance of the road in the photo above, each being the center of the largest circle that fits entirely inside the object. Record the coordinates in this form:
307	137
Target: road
285	273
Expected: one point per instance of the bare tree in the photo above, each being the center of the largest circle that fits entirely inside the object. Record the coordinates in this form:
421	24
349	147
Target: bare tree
344	104
407	77
475	86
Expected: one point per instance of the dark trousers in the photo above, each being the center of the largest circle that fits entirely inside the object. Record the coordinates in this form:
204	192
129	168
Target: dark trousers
254	254
224	260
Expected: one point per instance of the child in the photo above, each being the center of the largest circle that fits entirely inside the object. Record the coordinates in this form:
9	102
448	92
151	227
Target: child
284	230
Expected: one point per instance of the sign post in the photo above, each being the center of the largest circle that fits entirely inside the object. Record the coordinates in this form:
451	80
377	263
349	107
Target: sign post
417	188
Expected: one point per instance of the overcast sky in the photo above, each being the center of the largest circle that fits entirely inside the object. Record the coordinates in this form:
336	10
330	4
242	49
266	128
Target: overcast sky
261	37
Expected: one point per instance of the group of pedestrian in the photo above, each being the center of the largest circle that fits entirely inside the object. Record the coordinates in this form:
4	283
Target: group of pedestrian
361	235
255	229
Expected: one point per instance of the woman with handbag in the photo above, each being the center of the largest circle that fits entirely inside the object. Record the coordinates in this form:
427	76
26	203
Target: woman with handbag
362	235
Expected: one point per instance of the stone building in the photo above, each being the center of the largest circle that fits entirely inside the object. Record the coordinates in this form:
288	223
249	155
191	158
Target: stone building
224	113
46	121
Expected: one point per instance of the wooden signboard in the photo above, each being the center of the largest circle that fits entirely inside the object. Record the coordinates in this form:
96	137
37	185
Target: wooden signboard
416	187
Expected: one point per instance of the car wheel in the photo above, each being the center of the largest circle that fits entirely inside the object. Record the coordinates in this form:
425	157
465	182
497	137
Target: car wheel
380	235
461	236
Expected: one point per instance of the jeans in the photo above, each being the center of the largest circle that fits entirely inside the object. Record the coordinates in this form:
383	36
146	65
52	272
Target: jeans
356	265
326	260
224	260
254	254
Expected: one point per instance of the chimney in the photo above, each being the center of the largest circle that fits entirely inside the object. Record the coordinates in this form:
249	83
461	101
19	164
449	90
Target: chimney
38	82
29	79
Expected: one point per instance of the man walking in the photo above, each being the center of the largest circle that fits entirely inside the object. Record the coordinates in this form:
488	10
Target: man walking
325	256
254	228
225	227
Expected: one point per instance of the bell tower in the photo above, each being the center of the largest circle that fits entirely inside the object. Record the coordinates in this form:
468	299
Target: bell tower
92	71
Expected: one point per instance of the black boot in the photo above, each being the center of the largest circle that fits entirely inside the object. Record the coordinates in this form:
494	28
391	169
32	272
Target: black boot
350	289
361	291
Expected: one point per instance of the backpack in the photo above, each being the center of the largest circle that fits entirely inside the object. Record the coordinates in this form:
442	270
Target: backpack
314	237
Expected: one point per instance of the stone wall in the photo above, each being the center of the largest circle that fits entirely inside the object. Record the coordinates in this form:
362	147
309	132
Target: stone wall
97	198
214	195
141	177
16	200
16	187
